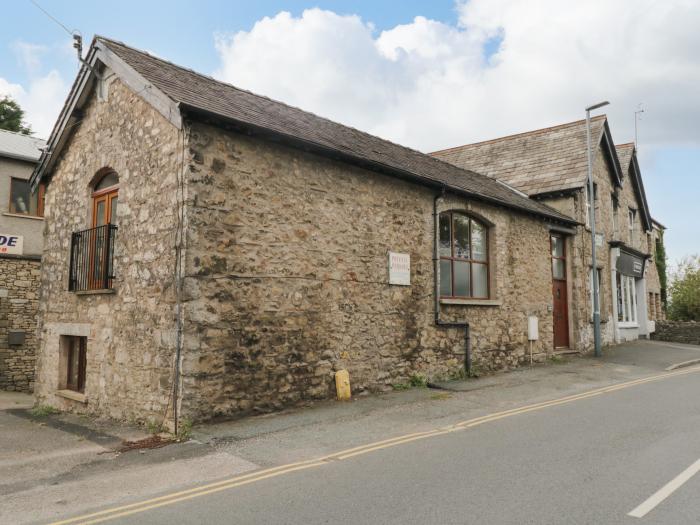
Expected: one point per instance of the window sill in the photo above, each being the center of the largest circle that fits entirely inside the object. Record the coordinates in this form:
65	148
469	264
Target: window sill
471	302
107	291
628	325
23	216
72	395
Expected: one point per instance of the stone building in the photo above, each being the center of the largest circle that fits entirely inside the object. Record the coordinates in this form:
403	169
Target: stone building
656	293
550	166
21	225
216	253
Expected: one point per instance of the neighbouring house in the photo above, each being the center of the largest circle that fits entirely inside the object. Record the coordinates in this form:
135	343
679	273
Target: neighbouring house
656	292
550	166
216	253
21	225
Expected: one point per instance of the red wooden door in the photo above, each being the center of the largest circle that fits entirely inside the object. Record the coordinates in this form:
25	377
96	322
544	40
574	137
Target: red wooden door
561	314
560	307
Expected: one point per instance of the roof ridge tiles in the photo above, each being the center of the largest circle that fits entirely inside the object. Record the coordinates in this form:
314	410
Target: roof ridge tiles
535	132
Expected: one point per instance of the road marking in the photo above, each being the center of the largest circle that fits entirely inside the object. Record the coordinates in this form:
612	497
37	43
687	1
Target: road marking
665	491
168	499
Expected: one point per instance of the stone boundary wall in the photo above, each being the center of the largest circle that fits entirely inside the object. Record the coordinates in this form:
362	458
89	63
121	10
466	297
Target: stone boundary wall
678	332
19	304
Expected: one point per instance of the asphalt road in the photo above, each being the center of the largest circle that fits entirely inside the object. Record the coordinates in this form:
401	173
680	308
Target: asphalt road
592	460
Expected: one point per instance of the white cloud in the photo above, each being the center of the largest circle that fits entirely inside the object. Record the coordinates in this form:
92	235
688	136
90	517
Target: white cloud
41	101
29	55
428	85
43	95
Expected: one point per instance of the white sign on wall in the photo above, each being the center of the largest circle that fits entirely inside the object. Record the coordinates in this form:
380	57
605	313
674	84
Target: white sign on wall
11	243
399	269
599	240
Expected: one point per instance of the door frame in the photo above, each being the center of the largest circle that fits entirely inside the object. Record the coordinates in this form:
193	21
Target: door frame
107	196
564	238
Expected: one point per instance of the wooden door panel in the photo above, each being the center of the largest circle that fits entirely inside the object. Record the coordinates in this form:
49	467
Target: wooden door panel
560	312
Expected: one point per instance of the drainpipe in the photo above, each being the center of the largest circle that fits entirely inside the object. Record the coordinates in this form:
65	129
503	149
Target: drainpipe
436	273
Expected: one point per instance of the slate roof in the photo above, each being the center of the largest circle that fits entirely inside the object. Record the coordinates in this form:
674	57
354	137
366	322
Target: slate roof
19	146
624	153
198	93
535	162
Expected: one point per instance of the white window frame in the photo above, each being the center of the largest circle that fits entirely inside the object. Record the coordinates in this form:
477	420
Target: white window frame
628	289
632	219
600	289
587	204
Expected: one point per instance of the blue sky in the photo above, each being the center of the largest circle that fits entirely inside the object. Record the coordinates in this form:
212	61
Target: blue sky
425	74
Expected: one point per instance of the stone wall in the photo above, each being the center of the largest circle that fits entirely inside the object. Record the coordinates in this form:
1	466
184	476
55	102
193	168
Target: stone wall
287	280
678	332
19	302
131	332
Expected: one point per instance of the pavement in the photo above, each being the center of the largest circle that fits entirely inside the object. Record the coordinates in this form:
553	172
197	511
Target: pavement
536	445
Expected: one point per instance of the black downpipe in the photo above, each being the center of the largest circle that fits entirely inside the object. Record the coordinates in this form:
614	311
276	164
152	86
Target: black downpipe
436	274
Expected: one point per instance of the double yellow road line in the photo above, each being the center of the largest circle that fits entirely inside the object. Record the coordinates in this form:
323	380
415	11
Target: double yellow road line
260	475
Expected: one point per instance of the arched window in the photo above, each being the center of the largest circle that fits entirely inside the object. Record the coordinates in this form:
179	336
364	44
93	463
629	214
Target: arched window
464	258
104	198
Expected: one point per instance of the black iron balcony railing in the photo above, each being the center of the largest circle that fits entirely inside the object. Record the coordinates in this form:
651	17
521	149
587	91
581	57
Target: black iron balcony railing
91	255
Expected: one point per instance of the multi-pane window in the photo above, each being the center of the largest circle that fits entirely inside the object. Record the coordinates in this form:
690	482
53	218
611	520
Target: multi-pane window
586	196
23	201
626	299
464	267
558	257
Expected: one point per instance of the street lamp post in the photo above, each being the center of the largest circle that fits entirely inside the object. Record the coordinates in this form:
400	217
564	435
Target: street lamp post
591	207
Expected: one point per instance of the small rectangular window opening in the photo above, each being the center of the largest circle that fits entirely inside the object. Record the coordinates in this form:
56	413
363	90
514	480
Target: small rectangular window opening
72	363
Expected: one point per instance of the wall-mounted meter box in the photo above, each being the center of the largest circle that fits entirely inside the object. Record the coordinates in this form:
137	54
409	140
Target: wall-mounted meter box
533	331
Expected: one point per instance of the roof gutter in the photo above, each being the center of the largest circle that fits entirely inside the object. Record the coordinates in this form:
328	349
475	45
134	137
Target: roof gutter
306	145
15	156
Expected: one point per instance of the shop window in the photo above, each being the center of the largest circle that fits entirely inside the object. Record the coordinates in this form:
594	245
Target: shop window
626	300
23	201
464	262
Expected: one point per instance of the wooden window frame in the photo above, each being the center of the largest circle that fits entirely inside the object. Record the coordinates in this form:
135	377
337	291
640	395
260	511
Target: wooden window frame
76	344
40	199
106	196
554	257
470	260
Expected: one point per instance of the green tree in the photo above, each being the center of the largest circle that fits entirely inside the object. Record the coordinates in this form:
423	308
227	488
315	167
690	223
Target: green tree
685	291
12	117
661	268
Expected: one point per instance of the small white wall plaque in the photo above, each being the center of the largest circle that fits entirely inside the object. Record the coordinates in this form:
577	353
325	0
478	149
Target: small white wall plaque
399	269
11	243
